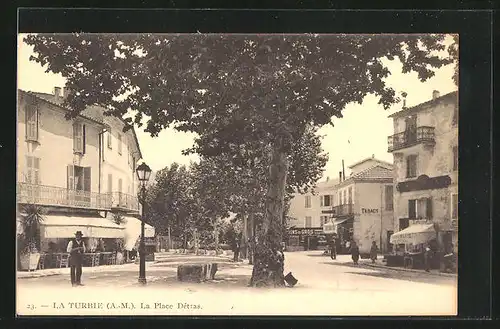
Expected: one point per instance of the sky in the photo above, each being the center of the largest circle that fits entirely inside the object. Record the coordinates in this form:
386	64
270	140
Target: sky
361	133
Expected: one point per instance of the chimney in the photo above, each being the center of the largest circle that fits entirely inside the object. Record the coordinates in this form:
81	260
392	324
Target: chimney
343	170
327	178
57	93
435	94
340	176
373	156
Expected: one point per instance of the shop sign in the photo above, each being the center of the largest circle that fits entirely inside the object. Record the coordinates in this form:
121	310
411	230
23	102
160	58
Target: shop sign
369	211
305	231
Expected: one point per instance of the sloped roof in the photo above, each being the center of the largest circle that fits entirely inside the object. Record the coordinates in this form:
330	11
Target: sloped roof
373	173
453	96
91	113
94	113
368	159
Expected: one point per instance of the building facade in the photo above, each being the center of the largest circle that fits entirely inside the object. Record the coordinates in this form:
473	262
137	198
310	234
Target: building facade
360	207
63	167
365	205
425	150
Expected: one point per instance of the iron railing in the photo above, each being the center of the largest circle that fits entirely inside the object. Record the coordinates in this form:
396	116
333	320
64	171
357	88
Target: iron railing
411	137
63	197
124	201
343	210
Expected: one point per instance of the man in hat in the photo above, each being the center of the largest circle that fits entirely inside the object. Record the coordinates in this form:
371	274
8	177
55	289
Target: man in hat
76	249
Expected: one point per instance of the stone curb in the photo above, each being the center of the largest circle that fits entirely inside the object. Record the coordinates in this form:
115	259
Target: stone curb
402	269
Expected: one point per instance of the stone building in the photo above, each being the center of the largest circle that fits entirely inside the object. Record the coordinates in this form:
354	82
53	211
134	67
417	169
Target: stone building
66	166
425	150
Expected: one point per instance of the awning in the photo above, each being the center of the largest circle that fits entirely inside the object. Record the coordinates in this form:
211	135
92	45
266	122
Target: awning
132	227
338	221
65	226
415	234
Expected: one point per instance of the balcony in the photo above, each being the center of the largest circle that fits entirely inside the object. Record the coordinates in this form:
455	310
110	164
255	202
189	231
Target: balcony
124	202
343	210
61	197
409	138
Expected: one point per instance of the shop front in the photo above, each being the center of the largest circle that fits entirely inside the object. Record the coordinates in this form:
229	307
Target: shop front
101	236
306	239
415	239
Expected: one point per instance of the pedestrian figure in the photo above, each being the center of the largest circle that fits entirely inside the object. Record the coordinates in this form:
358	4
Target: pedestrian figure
373	252
236	246
427	257
333	249
348	245
354	252
76	249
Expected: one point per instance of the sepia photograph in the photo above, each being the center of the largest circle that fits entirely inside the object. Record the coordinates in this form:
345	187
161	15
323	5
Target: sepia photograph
237	174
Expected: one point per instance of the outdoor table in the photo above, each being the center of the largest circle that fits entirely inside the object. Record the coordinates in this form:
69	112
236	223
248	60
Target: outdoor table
105	257
91	259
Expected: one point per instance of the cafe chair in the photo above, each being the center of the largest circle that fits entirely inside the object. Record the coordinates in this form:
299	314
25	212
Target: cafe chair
63	260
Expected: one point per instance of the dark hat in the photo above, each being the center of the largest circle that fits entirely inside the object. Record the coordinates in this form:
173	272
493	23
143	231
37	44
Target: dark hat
78	233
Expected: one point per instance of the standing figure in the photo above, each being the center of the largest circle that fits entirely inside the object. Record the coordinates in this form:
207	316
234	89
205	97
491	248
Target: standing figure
76	249
333	249
354	252
373	252
427	257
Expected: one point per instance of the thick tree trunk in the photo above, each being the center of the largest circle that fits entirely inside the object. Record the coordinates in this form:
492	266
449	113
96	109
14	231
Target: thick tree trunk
269	259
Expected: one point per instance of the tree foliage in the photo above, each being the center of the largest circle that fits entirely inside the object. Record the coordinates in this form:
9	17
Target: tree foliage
246	96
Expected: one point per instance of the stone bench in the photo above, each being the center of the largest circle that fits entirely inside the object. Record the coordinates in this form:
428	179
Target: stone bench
196	272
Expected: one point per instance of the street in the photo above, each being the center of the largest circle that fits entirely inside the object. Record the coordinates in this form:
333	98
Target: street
325	287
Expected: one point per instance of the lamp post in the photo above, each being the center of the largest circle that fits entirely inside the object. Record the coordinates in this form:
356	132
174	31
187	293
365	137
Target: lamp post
143	173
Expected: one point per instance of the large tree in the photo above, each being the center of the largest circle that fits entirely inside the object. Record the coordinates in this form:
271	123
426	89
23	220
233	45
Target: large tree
235	89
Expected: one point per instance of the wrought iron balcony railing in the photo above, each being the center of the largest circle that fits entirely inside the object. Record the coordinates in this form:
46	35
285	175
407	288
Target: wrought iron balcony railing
411	137
123	201
61	197
343	210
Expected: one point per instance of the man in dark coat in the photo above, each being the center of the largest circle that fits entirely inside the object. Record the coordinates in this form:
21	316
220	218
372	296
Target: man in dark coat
373	252
354	252
333	249
76	249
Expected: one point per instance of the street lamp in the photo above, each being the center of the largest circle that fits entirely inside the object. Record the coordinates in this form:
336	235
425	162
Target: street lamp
143	173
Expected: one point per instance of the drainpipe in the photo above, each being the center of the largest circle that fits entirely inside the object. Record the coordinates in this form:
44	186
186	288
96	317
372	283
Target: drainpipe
100	157
381	213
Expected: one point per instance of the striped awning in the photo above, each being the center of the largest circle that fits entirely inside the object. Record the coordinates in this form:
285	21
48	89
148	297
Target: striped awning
414	234
65	226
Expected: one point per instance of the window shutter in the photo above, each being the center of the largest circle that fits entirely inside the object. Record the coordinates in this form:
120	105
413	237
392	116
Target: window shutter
120	185
71	177
110	183
87	179
429	208
412	209
322	200
36	166
110	144
29	169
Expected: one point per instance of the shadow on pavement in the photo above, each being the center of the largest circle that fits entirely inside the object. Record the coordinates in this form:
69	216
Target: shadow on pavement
397	275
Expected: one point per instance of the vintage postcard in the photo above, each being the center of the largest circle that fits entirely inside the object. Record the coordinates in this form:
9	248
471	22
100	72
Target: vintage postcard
237	174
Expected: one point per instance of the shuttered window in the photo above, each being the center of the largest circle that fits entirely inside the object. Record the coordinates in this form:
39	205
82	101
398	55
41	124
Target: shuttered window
31	123
119	144
71	177
307	201
79	138
32	170
350	195
389	197
411	166
110	183
308	221
412	209
110	137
